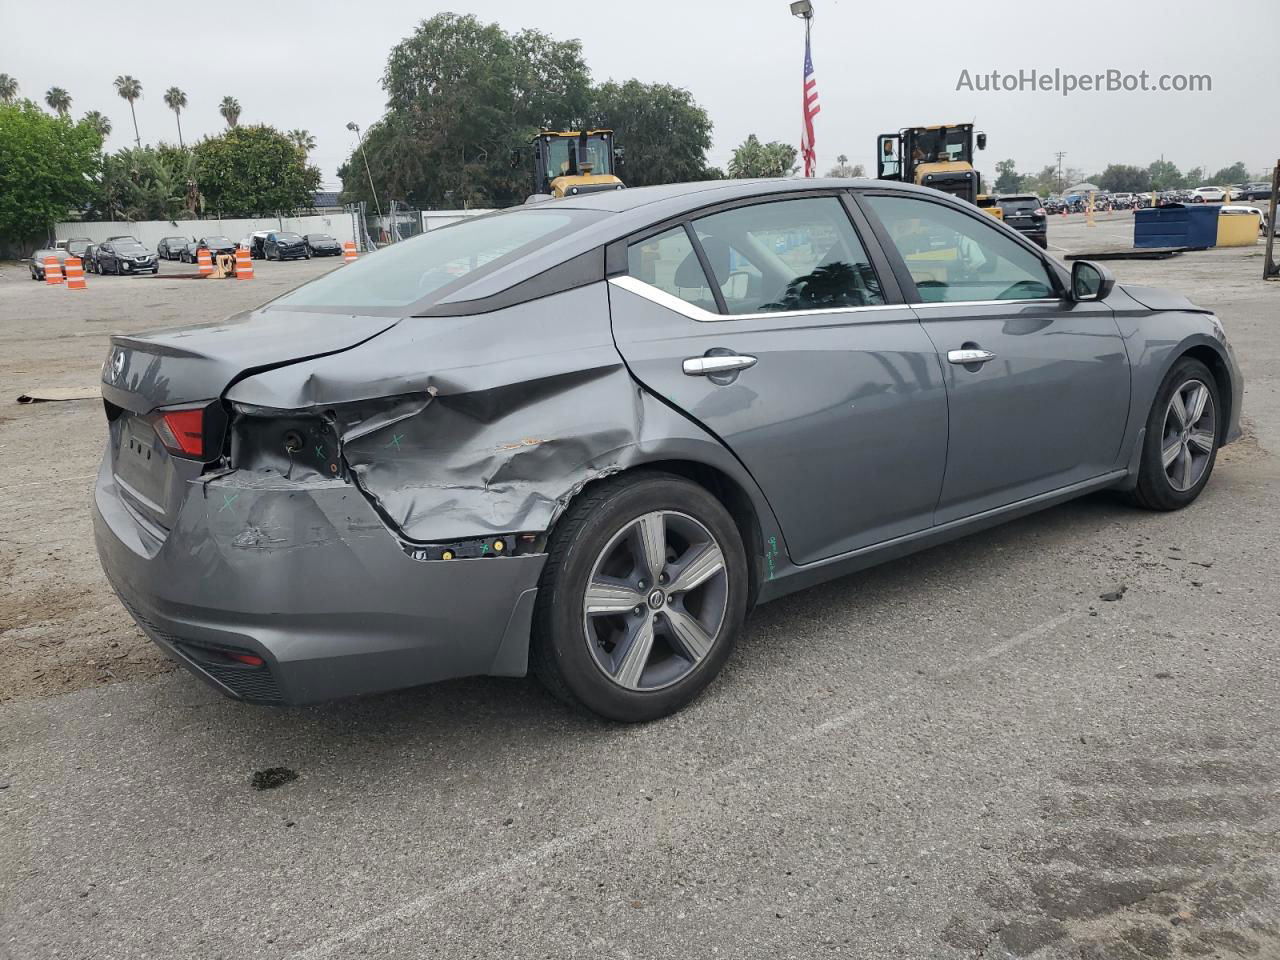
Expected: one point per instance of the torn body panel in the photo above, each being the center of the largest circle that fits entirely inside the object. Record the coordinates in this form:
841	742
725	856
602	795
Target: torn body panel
453	429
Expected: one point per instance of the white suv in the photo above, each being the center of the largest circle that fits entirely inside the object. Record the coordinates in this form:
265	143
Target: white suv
1208	194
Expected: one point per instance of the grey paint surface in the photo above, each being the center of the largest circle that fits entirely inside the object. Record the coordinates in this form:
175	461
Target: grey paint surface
850	441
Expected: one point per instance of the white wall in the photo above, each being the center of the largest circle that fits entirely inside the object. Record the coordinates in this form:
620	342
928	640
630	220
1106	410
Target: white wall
338	225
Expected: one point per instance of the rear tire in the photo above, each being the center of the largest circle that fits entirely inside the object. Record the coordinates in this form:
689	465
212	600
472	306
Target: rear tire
668	602
1177	455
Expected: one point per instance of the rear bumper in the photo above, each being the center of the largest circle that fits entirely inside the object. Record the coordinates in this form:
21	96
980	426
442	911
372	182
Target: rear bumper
306	577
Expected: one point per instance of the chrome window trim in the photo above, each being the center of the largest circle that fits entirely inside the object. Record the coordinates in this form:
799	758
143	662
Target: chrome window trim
683	307
672	302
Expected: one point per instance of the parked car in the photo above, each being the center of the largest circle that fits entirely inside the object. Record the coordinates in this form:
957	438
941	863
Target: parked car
1025	213
1208	195
256	240
125	256
322	245
76	247
170	248
1122	201
36	264
588	435
1258	191
190	253
91	258
285	246
216	245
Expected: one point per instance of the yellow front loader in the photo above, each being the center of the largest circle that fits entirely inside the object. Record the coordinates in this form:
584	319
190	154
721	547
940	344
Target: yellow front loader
568	163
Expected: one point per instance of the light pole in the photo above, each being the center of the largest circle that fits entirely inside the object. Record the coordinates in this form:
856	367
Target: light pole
804	10
377	206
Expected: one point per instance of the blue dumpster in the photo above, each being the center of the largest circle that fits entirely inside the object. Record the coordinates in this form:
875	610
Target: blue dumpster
1178	225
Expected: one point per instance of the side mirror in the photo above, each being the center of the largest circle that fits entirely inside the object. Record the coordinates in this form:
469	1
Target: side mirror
1090	281
982	141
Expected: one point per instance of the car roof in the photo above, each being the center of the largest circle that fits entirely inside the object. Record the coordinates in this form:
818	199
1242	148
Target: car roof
622	213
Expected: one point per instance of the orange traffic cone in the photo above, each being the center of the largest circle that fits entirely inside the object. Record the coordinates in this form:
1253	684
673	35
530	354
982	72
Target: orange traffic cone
348	252
52	270
204	261
75	274
244	264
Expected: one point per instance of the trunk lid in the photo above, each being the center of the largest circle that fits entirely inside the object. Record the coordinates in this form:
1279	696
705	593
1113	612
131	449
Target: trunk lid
146	374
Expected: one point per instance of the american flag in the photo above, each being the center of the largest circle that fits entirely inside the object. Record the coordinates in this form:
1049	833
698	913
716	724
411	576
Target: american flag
811	108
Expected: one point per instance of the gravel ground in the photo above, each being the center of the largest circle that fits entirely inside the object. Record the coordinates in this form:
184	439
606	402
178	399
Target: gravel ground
965	753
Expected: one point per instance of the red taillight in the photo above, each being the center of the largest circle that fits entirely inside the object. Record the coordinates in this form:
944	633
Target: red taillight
182	431
248	658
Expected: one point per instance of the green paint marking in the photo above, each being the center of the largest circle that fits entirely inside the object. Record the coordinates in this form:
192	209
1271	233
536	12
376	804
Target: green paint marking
395	440
320	452
227	500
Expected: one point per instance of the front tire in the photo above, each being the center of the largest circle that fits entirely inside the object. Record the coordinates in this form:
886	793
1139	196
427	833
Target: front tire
1184	429
642	598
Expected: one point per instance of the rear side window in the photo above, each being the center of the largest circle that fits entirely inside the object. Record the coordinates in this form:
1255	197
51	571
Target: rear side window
784	255
668	262
955	257
406	272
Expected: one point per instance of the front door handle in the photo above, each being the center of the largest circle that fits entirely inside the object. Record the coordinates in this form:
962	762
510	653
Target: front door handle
970	356
706	366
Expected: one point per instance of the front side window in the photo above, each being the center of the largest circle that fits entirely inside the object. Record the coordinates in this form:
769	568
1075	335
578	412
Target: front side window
785	255
668	261
955	257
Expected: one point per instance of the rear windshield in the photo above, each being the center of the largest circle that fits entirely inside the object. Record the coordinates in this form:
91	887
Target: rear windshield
411	270
1020	203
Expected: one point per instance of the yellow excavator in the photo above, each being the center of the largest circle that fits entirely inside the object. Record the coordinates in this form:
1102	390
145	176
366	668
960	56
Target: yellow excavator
568	163
940	157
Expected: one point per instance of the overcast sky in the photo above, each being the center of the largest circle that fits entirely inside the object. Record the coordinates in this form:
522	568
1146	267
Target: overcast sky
880	65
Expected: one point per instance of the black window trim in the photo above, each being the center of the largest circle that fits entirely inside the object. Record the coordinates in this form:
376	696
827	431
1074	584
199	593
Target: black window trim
890	287
899	265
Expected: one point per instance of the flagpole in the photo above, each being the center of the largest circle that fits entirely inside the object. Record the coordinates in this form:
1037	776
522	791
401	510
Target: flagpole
804	10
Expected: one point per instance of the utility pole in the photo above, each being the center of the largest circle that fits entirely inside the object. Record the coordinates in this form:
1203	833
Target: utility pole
1060	154
355	128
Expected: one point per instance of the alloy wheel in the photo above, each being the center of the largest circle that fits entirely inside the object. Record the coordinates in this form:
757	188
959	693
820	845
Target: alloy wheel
656	601
1190	431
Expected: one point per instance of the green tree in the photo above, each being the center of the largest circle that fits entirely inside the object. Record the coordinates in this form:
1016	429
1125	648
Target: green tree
1236	173
1008	180
254	171
303	140
99	122
462	97
130	89
1121	178
1165	175
664	132
58	100
843	170
46	166
8	88
1194	177
230	110
752	158
136	183
176	101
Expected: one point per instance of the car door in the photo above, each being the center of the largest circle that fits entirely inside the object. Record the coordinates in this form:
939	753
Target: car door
1037	384
799	355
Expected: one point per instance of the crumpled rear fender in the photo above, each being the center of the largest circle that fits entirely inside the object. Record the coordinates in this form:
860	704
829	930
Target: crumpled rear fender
463	427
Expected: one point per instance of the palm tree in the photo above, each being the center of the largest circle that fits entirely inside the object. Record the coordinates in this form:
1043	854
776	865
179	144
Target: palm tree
230	110
176	100
131	90
303	140
99	122
8	88
59	100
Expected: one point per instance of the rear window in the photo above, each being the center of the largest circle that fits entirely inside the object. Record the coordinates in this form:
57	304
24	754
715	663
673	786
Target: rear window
406	272
1020	203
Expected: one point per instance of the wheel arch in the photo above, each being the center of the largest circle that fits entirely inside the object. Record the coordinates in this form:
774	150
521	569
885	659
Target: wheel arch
1212	358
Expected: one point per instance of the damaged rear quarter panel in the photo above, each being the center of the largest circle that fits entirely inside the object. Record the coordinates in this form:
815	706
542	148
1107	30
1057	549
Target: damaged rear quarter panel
496	419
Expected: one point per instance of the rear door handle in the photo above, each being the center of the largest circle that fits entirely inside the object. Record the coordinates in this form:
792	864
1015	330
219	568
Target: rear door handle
704	366
969	355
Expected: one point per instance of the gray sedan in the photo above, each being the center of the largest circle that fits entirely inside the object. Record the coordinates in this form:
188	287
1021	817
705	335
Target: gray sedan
584	437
